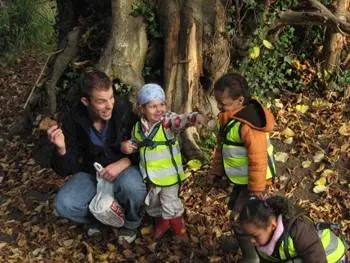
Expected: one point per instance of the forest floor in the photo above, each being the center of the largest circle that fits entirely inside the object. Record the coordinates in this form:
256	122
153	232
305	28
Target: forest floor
312	140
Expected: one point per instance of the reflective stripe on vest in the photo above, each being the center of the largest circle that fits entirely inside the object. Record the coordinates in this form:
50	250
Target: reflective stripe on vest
160	158
333	246
235	156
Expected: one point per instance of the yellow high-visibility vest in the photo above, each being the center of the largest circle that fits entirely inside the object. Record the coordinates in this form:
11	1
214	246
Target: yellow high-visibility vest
160	157
334	248
235	157
332	245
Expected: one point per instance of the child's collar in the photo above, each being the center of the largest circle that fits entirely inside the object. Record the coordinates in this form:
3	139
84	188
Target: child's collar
146	126
224	116
270	247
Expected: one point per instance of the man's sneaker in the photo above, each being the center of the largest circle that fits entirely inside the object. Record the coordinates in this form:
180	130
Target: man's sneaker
126	235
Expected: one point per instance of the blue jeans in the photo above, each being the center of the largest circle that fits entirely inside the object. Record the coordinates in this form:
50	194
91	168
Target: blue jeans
72	200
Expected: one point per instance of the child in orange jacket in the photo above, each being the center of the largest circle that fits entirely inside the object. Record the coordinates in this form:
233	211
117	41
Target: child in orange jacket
244	153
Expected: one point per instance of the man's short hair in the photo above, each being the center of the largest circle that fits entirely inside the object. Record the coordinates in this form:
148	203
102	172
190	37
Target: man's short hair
93	79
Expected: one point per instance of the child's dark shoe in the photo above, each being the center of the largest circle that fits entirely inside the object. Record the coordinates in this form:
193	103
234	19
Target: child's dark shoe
179	229
161	227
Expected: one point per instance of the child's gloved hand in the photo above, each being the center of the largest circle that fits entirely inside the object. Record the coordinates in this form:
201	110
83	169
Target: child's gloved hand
128	147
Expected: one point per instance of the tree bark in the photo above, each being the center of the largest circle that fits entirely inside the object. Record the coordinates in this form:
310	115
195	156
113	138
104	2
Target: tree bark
60	65
125	52
196	54
312	18
336	40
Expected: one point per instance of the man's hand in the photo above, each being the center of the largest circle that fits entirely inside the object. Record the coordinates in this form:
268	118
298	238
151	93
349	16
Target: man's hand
111	171
128	147
56	137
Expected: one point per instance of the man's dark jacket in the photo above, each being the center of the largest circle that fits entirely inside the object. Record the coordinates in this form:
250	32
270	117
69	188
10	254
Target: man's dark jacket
81	152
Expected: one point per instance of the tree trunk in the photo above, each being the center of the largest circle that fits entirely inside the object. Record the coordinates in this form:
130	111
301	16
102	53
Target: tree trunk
196	54
336	41
125	52
195	50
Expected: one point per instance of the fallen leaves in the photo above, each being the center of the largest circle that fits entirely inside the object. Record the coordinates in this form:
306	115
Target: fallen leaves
301	108
281	157
287	132
318	157
306	164
313	139
254	52
320	185
344	129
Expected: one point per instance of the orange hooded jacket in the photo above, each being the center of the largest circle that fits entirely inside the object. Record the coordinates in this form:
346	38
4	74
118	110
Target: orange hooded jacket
256	122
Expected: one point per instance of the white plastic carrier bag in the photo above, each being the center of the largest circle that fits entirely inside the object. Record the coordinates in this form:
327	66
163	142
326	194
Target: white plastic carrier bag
103	206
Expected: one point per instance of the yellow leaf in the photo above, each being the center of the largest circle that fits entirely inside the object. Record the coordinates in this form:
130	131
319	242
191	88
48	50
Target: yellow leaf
267	44
318	156
287	132
327	173
321	181
254	52
317	103
278	103
296	64
289	140
302	108
111	247
146	230
217	231
319	189
194	165
103	257
345	129
320	168
306	164
187	174
281	157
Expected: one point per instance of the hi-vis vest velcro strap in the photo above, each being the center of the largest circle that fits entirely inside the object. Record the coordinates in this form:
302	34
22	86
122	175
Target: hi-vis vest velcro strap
235	156
160	157
333	246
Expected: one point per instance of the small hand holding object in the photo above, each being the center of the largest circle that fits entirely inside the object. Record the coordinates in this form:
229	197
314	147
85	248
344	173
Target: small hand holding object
128	147
56	136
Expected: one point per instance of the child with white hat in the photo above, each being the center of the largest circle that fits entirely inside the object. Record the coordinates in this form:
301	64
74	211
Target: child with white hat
154	136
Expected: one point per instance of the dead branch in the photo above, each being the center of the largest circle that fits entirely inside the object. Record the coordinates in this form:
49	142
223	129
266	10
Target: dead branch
60	65
39	78
324	10
312	18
